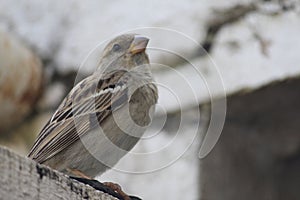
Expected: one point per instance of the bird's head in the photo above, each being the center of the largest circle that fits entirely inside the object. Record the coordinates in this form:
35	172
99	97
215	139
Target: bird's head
125	51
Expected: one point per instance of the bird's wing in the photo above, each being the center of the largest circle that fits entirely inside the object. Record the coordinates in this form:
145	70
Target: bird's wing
84	108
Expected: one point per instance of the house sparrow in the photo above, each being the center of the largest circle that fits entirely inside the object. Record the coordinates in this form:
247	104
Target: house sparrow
104	115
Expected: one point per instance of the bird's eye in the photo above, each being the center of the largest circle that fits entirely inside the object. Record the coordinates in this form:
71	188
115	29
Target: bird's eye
116	47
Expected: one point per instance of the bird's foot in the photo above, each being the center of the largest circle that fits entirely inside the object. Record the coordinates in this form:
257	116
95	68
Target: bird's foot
110	188
116	187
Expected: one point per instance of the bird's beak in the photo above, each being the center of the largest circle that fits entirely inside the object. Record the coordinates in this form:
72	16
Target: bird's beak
138	44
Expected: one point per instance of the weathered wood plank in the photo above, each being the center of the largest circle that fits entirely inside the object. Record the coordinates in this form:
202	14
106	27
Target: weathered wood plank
22	178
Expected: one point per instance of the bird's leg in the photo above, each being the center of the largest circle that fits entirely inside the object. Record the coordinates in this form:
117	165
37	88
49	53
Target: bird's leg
78	173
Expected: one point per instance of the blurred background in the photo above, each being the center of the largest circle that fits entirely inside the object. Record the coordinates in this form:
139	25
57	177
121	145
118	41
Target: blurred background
248	50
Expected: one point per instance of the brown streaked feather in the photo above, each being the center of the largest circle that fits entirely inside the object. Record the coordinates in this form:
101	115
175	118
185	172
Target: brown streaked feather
73	119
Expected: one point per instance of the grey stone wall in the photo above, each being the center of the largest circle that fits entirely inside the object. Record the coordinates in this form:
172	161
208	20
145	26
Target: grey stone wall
258	153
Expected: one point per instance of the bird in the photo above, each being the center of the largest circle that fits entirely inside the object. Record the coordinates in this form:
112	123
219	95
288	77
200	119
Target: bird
104	115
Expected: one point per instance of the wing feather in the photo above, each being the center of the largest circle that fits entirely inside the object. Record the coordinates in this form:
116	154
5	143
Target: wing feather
90	97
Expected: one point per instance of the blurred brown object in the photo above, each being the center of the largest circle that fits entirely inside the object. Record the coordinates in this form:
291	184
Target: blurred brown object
20	81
